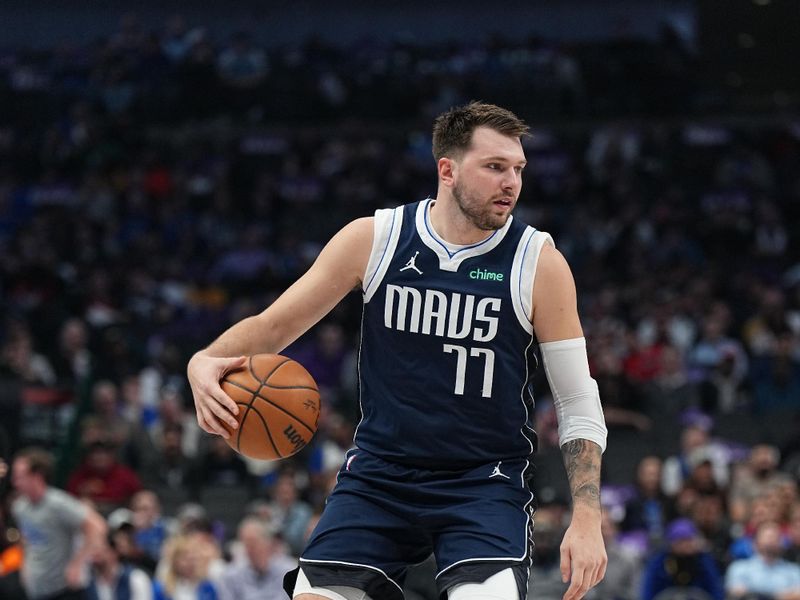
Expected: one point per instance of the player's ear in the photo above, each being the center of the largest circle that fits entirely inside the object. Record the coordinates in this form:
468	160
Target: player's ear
447	168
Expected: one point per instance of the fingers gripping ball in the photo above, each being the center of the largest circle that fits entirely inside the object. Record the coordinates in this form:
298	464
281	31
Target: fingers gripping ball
278	404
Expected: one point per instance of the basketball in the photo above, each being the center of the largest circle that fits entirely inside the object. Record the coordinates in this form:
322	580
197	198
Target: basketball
278	407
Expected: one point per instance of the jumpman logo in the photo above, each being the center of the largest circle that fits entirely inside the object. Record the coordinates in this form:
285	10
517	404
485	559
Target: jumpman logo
412	263
498	473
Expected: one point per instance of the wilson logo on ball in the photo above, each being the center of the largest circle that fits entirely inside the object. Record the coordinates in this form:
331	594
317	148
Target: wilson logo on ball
278	404
294	437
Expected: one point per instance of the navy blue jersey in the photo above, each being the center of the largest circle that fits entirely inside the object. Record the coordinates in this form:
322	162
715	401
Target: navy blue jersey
445	345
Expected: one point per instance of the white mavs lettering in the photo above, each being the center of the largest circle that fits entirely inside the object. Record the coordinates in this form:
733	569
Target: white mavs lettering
454	315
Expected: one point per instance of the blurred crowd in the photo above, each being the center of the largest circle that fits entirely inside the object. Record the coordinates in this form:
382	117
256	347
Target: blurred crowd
157	186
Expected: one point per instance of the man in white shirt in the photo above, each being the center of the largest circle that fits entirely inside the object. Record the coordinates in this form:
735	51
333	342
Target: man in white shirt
259	576
766	573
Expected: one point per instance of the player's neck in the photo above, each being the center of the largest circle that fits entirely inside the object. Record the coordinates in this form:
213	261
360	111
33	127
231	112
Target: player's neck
452	225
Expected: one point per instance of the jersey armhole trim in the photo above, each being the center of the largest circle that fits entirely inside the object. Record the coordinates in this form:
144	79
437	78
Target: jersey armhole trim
387	226
523	274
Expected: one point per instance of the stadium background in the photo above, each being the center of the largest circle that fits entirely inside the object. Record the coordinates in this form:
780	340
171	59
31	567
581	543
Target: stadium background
166	172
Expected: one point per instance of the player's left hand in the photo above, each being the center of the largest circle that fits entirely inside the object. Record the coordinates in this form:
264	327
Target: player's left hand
583	556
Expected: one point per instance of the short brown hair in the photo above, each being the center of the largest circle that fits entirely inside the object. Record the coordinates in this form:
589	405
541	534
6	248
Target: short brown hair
39	460
452	130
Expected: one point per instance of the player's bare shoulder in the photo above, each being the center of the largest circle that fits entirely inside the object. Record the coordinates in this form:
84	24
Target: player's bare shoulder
555	314
552	271
348	251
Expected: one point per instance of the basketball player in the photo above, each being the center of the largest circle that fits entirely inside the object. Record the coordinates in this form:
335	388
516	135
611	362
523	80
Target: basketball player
454	290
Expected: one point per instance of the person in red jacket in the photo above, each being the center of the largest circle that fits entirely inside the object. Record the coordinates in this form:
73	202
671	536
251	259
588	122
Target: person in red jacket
102	479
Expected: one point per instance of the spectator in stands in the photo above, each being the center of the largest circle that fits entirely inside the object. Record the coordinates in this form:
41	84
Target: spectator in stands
220	465
106	421
695	443
20	359
708	513
683	564
185	572
754	479
764	509
776	375
289	513
793	550
51	523
101	478
648	510
167	466
258	574
242	65
171	412
123	539
113	580
719	363
73	360
766	574
151	528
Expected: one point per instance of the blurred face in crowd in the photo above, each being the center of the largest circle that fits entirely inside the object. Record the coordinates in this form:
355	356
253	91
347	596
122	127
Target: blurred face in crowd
707	512
25	482
145	509
285	490
73	335
685	546
649	474
768	541
693	437
487	178
258	544
763	459
103	556
101	458
105	398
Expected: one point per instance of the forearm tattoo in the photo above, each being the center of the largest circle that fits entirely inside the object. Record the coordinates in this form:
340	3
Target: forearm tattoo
582	460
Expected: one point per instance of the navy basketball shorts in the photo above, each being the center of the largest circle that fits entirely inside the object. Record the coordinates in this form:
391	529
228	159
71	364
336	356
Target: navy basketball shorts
383	517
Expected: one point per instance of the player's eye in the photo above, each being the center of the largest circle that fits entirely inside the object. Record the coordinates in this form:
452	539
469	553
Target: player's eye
494	166
518	170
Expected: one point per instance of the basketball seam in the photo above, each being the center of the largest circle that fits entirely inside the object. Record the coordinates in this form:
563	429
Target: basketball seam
290	387
250	405
270	374
283	410
266	428
271	403
247	410
264	383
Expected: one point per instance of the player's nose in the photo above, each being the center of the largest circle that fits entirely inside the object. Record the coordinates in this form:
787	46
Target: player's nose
511	180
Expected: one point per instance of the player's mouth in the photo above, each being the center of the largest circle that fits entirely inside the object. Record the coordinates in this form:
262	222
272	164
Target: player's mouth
504	202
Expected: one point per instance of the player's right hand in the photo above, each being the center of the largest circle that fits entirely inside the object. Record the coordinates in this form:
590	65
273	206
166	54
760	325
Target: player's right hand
213	406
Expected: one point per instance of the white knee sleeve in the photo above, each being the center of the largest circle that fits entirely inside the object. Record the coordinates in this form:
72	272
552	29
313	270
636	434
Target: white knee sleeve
334	592
500	586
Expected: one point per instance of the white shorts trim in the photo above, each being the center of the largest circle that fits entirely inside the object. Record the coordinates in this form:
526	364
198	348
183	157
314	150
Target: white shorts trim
500	586
335	592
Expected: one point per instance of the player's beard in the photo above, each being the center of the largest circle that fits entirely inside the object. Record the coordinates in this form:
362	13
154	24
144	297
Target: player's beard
478	211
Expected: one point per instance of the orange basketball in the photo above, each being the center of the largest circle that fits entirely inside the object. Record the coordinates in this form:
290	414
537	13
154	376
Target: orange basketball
278	406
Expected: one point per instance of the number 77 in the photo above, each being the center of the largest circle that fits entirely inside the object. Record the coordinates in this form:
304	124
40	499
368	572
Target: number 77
461	367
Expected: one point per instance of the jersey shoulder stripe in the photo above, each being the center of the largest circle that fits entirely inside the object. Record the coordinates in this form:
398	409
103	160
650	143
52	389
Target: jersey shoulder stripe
523	274
388	224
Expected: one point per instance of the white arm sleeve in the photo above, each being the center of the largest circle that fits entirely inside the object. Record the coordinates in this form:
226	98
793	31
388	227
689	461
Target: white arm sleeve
575	394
